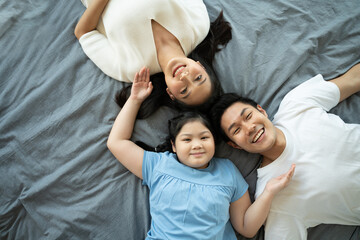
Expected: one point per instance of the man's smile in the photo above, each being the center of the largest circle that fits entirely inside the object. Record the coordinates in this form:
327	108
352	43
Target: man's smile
258	135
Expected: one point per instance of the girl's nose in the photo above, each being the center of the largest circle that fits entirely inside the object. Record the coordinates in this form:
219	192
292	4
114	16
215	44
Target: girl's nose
196	144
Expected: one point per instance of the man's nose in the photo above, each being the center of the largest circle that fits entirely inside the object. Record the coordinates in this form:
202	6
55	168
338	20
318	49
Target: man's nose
250	128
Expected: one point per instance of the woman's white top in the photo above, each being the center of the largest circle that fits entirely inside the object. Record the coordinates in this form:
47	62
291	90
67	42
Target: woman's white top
123	42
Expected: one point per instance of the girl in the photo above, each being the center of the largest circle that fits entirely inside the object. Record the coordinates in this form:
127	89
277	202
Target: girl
121	36
192	194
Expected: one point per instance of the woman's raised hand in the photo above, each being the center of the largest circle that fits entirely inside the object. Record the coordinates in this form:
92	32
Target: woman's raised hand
276	184
141	87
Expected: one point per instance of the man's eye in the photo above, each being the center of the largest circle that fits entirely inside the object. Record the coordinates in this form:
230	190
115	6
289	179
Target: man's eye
249	116
236	131
198	78
183	91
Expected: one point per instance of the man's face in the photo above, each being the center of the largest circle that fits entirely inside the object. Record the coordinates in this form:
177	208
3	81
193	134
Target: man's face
248	128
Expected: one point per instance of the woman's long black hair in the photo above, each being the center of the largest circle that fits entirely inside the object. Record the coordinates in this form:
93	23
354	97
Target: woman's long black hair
217	38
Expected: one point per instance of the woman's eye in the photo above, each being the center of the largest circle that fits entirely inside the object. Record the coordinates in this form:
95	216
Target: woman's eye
183	91
198	78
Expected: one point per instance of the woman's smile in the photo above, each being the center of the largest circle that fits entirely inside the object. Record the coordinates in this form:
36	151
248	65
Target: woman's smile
178	70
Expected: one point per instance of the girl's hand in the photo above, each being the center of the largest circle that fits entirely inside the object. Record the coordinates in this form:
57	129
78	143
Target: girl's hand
141	87
276	184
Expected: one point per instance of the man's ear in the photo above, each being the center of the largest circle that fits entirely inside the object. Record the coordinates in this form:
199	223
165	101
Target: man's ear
234	145
261	110
170	94
173	146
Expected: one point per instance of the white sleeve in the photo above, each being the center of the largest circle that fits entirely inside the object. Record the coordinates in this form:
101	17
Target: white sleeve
315	91
283	226
97	47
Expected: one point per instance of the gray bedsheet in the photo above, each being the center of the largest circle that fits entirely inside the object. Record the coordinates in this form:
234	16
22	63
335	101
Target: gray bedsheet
57	178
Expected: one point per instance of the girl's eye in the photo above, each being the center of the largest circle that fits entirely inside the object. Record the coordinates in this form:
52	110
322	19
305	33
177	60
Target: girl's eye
205	137
186	139
198	78
183	91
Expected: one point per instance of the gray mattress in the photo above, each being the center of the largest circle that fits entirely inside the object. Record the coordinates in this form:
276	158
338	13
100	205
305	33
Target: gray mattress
57	178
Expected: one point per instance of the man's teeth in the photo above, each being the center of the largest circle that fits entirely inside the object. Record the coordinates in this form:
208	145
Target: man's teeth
178	70
258	135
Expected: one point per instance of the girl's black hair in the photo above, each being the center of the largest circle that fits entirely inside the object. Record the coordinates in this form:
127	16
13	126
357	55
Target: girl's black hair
174	126
219	35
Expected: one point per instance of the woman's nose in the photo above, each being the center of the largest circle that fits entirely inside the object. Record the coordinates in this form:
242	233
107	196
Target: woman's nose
184	75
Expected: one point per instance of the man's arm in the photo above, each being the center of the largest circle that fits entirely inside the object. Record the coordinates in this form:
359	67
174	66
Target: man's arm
349	82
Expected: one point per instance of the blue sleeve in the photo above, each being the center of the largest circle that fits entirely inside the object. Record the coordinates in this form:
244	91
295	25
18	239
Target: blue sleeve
240	185
150	161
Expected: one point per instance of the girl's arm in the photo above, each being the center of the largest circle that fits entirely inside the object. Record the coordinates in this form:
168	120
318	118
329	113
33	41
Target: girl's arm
127	152
247	218
90	18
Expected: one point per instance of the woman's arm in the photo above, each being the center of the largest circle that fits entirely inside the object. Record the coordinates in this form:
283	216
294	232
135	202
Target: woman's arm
349	82
90	18
127	152
247	218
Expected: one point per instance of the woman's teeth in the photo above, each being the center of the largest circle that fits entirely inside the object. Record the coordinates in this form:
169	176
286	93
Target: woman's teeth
178	70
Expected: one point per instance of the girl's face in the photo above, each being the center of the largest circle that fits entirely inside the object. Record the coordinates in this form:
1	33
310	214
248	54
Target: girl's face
187	81
194	145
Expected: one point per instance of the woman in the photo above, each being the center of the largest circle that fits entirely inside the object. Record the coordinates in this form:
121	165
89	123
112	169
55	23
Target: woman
159	34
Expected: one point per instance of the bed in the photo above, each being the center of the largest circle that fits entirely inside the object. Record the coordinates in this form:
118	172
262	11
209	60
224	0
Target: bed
58	180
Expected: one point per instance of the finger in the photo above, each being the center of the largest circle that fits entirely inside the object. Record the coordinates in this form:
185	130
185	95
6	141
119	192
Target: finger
292	170
144	74
147	74
141	74
150	87
136	78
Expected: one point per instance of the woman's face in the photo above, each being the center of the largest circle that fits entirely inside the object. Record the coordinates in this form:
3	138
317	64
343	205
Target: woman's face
194	145
187	81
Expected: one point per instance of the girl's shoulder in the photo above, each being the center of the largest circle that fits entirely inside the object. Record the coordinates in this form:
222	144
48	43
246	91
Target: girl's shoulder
224	162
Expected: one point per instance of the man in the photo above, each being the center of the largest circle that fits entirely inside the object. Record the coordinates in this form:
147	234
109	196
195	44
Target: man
326	184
